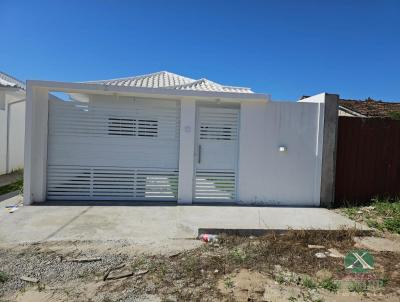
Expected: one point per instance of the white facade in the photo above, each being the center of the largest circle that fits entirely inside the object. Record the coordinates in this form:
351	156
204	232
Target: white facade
186	145
280	153
12	124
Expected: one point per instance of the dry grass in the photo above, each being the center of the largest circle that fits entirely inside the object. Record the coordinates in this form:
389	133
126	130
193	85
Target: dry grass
194	275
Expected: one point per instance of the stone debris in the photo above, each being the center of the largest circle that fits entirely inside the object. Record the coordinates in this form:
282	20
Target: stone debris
141	272
112	269
314	246
174	254
335	253
113	275
320	255
29	279
85	259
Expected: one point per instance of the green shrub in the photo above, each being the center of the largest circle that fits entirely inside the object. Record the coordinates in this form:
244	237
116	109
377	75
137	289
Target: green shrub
330	285
3	277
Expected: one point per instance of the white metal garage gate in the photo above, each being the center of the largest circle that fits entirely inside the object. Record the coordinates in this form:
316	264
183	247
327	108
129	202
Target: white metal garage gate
113	148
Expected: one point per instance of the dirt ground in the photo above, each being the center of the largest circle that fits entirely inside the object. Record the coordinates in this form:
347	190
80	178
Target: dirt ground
275	267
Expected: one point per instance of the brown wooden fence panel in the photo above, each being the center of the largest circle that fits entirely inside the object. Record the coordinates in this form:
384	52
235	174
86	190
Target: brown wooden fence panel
368	159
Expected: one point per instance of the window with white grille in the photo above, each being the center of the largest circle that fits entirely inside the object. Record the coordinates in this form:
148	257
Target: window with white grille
132	127
121	126
217	132
217	125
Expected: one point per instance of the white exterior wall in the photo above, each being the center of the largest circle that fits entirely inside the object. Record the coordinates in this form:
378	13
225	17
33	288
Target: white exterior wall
265	175
16	135
12	132
268	176
3	136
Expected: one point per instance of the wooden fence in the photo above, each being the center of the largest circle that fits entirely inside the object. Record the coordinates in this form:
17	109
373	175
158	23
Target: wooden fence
368	159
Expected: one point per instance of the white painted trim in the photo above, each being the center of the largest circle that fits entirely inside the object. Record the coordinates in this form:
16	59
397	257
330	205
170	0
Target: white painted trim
140	91
186	151
35	159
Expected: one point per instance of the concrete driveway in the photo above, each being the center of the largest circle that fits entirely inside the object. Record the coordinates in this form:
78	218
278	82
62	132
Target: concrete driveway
152	227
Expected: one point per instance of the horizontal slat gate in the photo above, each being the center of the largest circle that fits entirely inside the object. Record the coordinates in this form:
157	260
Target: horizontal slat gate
124	149
217	137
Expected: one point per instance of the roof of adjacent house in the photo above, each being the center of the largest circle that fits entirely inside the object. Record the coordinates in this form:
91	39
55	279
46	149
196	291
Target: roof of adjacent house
370	107
10	82
169	80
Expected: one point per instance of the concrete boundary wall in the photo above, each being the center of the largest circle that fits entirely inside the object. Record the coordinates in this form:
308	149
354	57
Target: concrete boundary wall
328	168
12	131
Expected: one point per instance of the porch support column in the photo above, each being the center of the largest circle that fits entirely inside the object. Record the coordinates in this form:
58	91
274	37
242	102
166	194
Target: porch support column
186	150
35	156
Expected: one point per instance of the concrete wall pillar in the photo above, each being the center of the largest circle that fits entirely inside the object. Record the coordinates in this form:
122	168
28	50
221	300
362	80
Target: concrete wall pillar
329	123
187	151
328	169
35	157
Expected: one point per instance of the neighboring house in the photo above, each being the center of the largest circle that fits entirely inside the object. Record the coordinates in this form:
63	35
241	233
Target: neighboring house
12	123
368	108
166	137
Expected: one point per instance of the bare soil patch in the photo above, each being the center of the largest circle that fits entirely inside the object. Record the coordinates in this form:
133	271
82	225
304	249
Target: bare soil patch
275	267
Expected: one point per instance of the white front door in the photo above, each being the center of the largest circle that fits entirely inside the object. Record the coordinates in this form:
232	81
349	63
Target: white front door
217	136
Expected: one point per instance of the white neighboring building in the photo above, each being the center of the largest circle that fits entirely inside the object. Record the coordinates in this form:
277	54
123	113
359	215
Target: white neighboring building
165	137
12	123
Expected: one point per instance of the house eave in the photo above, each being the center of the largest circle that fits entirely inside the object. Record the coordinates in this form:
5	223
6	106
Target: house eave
69	87
349	111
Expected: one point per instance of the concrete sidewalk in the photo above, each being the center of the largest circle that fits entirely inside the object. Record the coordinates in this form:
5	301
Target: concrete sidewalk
152	225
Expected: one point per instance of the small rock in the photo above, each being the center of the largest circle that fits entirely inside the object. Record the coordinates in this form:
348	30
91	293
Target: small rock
335	253
216	271
314	246
323	274
85	259
113	275
174	254
29	279
171	299
259	290
141	272
320	255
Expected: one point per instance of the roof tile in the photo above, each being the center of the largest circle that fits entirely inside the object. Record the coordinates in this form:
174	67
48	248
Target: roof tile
169	80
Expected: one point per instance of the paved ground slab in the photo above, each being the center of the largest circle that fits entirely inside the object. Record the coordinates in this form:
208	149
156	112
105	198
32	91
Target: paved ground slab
379	244
153	226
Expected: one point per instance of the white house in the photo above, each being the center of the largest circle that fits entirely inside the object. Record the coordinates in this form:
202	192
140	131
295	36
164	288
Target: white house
166	137
12	123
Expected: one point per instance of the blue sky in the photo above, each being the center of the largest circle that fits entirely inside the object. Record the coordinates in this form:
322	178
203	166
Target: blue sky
285	48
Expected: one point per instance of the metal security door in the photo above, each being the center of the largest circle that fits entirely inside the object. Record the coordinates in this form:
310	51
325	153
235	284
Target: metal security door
216	153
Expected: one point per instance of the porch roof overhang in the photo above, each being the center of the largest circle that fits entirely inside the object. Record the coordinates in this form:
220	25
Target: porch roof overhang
92	88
